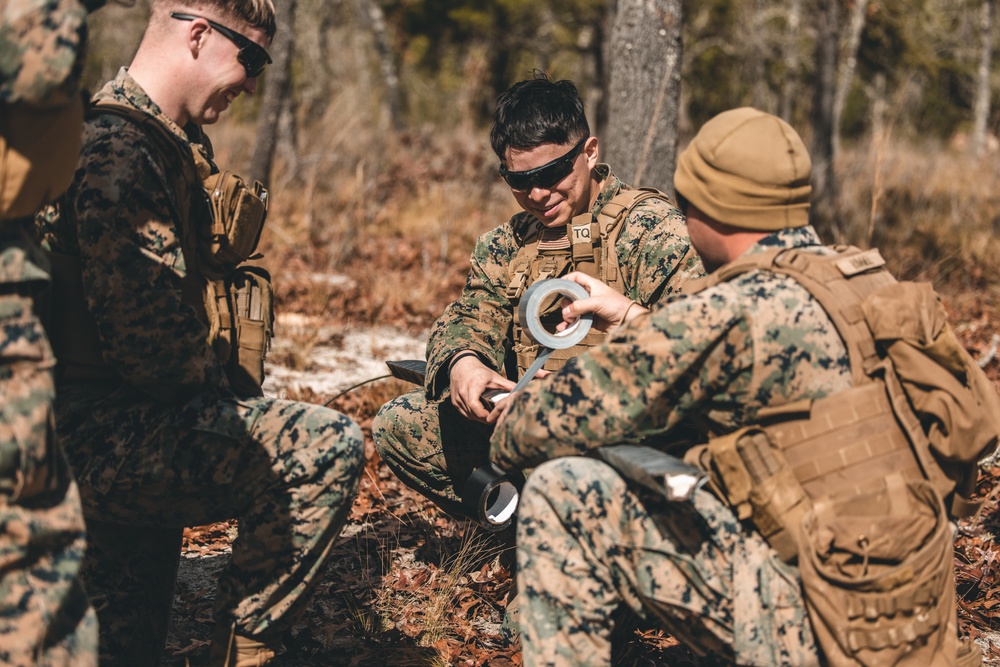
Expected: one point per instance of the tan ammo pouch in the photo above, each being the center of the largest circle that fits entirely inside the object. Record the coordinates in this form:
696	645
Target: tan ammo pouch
836	447
878	579
240	312
238	215
39	149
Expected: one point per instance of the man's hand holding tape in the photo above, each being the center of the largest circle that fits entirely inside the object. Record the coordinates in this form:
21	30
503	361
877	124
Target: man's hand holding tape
469	377
609	308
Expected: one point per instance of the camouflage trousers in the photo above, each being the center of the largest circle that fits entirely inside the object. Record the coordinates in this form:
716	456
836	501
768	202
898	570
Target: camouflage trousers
590	549
45	618
430	446
287	470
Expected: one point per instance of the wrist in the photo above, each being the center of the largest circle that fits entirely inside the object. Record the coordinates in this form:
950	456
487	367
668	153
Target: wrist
625	315
457	357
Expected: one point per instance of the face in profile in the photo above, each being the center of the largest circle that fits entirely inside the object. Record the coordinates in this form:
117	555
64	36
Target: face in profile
229	62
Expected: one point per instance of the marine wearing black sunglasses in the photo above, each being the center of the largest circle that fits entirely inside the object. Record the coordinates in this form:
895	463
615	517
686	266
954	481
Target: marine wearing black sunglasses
545	176
252	55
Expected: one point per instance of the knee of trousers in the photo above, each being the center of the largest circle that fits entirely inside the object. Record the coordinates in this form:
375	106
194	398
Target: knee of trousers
385	432
404	426
336	458
560	485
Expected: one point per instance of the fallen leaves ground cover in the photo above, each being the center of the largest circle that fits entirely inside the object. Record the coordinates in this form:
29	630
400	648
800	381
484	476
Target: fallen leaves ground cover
409	585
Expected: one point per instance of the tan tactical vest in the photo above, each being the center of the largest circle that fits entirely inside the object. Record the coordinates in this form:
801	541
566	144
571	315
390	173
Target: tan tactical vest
856	486
235	301
586	245
38	154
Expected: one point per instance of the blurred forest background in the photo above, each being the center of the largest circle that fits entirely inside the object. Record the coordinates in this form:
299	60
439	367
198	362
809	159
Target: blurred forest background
374	117
370	130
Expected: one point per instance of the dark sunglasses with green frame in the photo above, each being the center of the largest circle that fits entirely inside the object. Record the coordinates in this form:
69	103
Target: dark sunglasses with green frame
252	55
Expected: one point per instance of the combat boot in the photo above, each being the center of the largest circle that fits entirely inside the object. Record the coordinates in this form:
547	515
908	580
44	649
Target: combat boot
232	650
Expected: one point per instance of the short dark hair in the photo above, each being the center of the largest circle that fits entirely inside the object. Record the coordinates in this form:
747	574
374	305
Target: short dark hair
538	111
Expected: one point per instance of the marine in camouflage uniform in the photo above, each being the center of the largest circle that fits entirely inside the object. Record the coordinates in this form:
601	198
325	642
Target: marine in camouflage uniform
45	618
591	548
155	436
422	436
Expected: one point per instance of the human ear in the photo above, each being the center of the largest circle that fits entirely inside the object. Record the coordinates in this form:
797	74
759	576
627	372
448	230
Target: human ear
197	35
590	149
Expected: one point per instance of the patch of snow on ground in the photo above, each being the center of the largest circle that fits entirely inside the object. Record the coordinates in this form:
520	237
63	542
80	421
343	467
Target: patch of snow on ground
351	355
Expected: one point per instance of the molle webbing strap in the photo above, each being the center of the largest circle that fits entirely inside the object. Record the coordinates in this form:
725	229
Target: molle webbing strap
609	225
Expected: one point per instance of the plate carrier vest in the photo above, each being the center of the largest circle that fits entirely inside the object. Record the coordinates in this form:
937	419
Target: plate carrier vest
855	486
234	300
586	244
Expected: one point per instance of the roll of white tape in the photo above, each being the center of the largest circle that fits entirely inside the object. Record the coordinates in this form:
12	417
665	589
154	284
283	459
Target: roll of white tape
533	300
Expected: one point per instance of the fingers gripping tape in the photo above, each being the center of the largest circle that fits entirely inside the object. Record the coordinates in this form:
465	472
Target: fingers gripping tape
529	312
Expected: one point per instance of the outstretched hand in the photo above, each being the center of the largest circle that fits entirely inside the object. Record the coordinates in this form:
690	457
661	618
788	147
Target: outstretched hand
610	309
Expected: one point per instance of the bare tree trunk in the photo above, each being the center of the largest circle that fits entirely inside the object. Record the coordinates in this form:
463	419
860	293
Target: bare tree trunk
758	56
644	89
276	91
981	108
373	17
602	46
789	85
824	181
846	77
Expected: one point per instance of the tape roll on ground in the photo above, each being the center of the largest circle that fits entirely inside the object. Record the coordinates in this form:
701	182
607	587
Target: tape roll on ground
490	497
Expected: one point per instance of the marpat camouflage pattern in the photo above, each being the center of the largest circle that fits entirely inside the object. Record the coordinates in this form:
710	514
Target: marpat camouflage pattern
589	547
165	444
45	617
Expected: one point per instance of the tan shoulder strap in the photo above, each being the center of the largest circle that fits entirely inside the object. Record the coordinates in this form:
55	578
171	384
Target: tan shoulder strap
605	230
838	282
519	270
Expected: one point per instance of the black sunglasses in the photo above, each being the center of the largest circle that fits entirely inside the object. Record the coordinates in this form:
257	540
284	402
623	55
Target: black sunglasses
545	176
252	55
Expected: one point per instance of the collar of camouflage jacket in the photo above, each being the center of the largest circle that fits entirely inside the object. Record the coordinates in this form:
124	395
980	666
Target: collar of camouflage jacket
126	90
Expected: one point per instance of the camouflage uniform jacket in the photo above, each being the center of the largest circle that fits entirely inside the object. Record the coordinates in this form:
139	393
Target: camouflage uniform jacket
121	217
650	247
714	359
40	45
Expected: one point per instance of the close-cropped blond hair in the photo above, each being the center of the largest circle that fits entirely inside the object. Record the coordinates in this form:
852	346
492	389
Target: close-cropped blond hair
254	13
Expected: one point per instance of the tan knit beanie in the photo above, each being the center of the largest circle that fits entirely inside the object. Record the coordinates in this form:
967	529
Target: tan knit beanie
748	169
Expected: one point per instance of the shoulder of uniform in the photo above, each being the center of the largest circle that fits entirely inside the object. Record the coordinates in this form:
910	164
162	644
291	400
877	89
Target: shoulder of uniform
656	212
126	139
657	202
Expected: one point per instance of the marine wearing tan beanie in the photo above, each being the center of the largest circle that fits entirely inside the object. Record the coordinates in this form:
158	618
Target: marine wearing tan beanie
748	169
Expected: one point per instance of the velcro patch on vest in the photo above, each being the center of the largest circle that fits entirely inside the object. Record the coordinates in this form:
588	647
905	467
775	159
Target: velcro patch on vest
860	262
553	239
